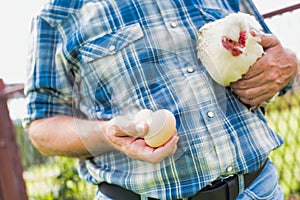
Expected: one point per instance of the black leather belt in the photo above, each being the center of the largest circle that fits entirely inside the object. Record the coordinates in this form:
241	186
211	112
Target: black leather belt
225	189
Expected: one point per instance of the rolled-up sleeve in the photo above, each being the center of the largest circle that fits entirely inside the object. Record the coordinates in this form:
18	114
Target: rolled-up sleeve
48	86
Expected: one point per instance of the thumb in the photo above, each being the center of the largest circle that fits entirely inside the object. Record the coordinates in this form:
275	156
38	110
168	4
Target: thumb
129	128
265	40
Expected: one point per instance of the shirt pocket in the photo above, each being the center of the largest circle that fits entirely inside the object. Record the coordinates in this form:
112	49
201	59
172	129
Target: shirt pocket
111	43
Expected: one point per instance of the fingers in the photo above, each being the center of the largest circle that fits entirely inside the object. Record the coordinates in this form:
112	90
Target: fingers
253	71
250	98
139	150
266	40
256	90
164	151
255	101
171	146
257	94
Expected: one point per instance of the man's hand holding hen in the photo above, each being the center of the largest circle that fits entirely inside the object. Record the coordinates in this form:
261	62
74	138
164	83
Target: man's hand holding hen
270	74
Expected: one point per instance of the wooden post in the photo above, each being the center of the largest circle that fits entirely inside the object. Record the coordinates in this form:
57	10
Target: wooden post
12	184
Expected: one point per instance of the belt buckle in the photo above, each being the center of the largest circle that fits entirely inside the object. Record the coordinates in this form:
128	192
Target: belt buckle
223	188
215	184
223	178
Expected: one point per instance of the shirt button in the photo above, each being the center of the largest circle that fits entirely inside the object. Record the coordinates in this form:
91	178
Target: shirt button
112	48
173	24
229	169
190	69
210	114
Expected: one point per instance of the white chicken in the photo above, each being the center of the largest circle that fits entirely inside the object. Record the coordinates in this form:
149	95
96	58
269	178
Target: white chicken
227	48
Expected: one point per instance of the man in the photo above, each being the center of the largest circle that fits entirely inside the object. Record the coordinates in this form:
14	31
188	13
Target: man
93	61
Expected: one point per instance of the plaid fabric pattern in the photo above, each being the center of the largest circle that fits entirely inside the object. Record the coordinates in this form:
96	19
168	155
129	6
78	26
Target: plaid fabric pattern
100	59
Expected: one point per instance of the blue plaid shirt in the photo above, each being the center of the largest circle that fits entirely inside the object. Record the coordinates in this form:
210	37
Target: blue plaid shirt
100	59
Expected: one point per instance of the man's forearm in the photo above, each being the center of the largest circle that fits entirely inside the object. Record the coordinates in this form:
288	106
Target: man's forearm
68	136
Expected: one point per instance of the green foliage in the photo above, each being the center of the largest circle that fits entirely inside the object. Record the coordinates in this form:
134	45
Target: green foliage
71	186
57	180
50	178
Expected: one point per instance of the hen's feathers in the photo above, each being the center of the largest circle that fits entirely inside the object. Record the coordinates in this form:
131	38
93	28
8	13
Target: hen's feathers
222	66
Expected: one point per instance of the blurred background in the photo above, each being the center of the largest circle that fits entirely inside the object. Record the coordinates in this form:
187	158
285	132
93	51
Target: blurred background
56	178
